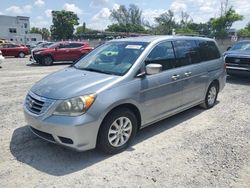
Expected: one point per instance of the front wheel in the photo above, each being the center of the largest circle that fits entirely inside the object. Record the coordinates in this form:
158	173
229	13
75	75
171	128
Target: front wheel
211	96
21	55
47	60
117	131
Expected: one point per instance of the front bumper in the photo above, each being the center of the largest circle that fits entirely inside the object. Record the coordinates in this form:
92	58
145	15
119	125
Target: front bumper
1	59
78	133
238	71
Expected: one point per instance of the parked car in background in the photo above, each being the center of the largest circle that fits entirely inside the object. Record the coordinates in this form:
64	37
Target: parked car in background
40	46
237	59
123	86
11	49
61	51
4	41
1	57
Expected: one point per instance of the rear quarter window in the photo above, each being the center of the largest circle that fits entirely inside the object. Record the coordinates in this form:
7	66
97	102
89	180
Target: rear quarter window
208	50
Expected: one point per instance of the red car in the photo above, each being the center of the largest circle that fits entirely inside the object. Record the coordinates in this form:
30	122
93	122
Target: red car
10	49
61	51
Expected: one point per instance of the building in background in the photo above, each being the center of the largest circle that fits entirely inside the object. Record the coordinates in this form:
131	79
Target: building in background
17	29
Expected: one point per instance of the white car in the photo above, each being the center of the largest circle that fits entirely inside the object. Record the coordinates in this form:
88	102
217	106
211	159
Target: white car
1	57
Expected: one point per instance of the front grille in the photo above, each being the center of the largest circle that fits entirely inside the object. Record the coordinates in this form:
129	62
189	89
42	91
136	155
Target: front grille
37	104
34	105
238	60
44	135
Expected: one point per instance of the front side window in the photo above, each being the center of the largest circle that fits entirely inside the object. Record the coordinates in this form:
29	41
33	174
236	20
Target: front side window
162	54
112	58
187	53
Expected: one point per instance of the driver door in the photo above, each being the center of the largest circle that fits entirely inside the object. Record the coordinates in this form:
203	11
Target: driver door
162	92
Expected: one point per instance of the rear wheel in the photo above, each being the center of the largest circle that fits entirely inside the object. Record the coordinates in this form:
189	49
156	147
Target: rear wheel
211	96
21	55
47	60
117	131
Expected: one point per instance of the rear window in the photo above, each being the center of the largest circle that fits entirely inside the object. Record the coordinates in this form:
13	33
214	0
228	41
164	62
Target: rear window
208	50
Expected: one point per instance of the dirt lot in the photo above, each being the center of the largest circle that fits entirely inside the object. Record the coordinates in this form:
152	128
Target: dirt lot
197	148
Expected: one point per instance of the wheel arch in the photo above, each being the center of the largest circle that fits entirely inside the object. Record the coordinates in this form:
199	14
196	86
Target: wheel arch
129	106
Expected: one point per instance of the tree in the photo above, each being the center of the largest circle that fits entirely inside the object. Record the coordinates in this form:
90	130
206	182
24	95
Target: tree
63	24
127	19
222	24
245	31
165	23
82	29
44	32
35	30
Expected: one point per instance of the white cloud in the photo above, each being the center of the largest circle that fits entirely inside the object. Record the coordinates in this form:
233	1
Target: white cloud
116	6
98	3
150	14
39	3
40	22
48	13
26	9
101	20
73	8
104	13
1	13
178	7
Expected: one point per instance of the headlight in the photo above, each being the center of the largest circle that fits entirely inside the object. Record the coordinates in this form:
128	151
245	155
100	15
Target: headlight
75	106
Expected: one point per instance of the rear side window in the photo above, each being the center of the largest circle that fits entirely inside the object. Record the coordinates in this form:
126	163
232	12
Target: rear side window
208	50
187	53
75	45
162	54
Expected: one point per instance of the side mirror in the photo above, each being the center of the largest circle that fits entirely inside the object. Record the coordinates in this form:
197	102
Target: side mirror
229	48
153	69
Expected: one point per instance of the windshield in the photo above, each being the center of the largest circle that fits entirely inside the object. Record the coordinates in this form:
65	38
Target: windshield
112	58
54	45
243	46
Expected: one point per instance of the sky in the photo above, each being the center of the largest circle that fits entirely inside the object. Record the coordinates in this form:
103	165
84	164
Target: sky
96	13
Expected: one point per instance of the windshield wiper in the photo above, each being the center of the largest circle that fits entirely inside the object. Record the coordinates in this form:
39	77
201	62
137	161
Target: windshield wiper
96	70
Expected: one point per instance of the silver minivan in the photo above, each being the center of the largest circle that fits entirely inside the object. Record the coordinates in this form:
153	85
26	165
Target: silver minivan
122	86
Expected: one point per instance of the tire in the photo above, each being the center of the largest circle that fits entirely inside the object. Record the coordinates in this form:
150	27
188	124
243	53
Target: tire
117	131
211	96
47	61
21	55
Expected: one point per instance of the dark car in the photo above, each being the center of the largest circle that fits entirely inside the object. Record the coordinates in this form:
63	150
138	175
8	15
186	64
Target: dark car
10	49
61	51
237	59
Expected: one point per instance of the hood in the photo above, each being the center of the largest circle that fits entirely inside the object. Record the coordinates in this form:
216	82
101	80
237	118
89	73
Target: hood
39	49
237	52
71	82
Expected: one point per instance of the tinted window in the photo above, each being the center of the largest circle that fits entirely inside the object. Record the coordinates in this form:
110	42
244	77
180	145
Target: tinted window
162	54
186	53
208	50
75	45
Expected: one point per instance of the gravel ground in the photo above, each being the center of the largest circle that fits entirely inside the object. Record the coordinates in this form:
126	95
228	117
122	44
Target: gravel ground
197	148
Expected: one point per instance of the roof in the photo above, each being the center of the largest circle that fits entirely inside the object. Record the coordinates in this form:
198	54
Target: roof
159	37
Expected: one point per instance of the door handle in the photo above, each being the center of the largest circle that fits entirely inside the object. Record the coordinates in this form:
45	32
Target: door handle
187	74
175	77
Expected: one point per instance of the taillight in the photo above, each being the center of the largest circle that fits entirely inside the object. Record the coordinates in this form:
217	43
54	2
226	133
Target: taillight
0	52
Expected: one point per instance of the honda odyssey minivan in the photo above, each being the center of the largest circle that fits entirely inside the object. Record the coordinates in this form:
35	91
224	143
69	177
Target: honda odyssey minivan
122	86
